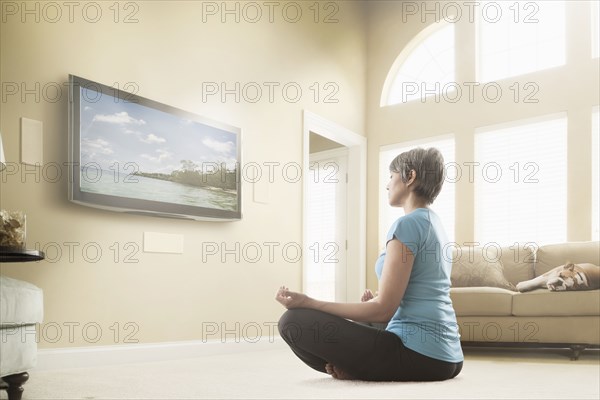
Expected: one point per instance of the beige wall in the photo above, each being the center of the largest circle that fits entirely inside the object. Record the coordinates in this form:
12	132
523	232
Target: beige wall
572	88
168	53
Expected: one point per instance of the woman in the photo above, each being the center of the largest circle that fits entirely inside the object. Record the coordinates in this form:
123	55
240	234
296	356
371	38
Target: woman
421	341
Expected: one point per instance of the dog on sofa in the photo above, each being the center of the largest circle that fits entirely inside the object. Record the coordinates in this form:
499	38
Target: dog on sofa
565	277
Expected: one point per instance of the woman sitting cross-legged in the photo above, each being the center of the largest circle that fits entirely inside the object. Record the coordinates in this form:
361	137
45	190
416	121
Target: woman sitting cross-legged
421	341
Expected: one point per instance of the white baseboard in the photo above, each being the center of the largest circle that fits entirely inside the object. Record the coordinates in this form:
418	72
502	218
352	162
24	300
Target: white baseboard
94	356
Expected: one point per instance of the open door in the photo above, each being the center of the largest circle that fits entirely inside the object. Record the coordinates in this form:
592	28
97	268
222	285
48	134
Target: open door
334	212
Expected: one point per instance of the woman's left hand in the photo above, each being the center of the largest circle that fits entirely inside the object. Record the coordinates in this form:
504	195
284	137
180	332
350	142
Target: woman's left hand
291	299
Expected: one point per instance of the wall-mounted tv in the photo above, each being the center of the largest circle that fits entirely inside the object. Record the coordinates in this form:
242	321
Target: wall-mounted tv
131	154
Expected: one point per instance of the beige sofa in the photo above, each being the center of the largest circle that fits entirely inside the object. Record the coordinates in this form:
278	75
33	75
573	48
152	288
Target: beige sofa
491	312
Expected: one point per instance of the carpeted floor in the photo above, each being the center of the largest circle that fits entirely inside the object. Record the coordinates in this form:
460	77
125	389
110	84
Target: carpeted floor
277	374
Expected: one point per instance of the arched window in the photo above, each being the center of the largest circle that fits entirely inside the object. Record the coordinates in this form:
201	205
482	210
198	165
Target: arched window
423	68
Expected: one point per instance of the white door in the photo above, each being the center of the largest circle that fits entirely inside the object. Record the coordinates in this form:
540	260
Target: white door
325	277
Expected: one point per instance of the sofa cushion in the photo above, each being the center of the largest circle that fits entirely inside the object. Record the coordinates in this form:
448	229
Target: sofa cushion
542	302
481	301
476	267
21	303
553	255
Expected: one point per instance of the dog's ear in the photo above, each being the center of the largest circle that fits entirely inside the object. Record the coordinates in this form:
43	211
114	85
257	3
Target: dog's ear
570	266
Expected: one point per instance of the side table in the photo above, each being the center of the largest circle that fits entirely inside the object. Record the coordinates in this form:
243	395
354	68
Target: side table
17	254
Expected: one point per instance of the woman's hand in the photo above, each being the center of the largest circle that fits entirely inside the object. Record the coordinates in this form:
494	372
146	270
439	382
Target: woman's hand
291	299
368	295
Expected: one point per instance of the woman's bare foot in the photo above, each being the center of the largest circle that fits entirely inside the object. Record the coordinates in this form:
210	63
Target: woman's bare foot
337	373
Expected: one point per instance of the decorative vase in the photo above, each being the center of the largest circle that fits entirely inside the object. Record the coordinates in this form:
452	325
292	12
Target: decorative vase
13	229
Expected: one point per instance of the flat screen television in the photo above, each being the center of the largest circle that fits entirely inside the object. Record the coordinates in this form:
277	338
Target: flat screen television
131	154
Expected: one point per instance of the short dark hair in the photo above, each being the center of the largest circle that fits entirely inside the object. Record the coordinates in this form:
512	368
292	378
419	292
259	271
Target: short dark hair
429	167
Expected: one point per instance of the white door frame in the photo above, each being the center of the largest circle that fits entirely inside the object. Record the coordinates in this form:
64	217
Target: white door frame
357	198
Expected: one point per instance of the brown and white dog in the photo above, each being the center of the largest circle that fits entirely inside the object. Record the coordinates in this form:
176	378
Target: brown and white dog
565	277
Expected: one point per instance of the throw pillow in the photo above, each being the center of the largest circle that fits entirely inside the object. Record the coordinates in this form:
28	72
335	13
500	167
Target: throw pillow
474	270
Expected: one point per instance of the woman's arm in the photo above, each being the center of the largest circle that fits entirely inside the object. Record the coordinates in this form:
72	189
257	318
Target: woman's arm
392	285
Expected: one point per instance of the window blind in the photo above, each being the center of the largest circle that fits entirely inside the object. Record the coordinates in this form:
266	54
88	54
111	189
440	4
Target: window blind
521	182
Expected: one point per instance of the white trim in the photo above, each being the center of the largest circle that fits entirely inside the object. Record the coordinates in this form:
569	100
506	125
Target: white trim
333	153
595	138
94	356
357	196
523	121
595	25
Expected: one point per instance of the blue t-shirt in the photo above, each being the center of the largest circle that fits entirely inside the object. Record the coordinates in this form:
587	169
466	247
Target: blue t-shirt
425	321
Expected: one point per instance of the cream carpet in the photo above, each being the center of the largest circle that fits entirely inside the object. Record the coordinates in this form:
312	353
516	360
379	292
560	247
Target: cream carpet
277	374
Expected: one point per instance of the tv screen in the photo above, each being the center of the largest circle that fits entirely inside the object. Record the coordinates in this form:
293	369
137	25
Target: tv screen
131	154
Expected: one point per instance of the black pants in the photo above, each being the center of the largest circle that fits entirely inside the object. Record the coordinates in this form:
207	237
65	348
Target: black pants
361	351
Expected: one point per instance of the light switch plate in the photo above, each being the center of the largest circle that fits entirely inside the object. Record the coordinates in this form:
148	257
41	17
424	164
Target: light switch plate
156	242
32	142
